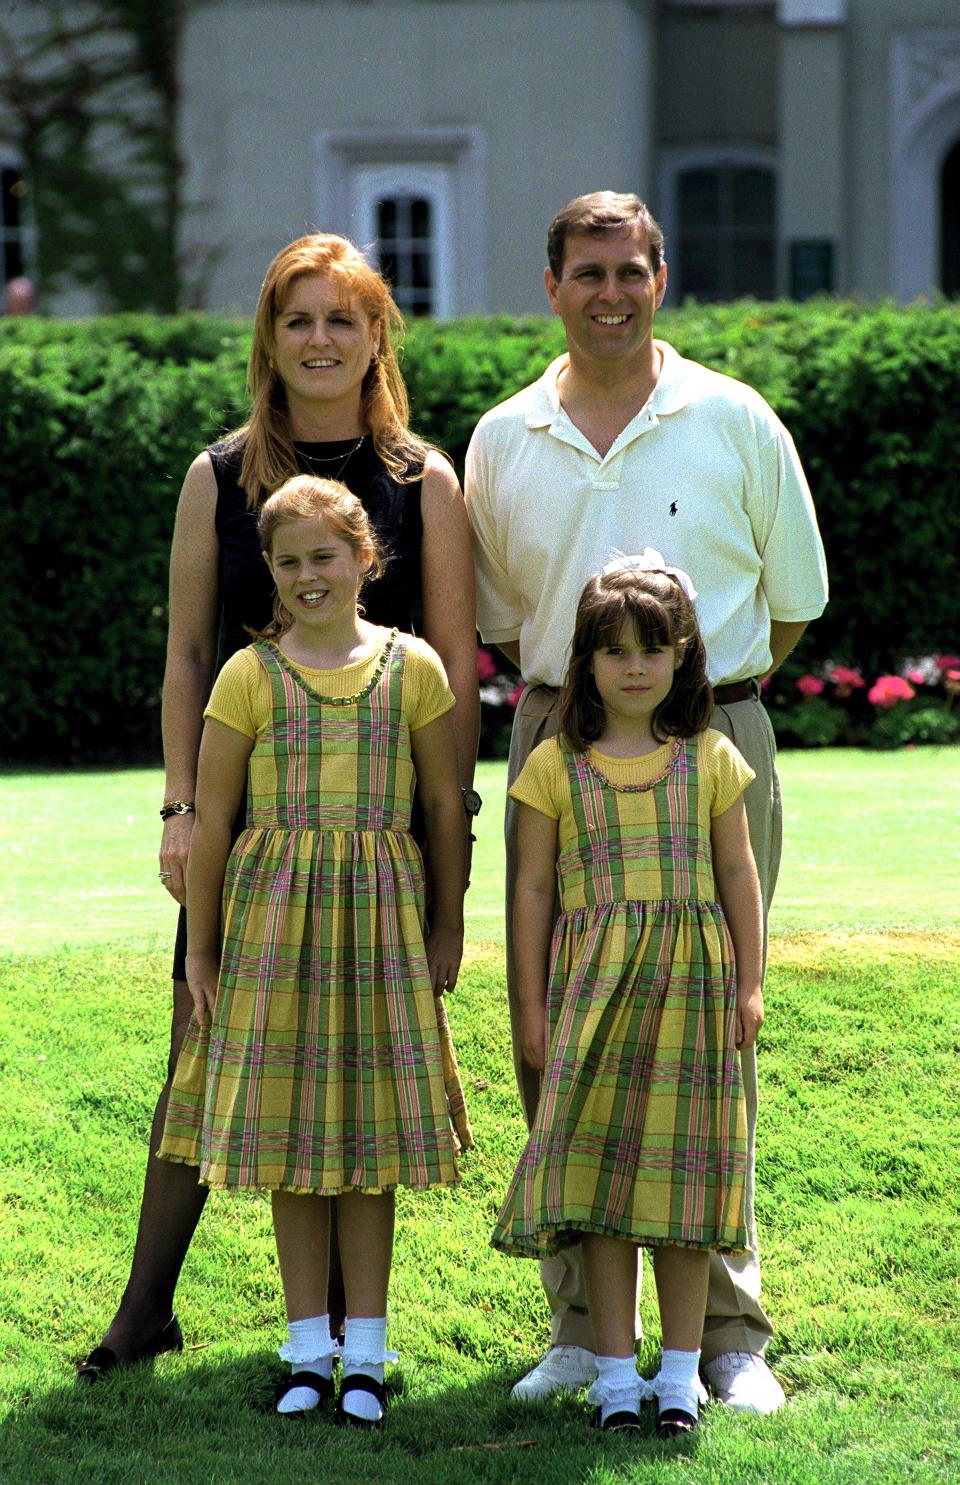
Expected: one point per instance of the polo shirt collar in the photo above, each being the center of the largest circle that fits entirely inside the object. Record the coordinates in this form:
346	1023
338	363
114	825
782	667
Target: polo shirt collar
671	393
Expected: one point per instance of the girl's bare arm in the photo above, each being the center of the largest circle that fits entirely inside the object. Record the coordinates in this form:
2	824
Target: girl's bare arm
449	604
533	917
739	890
221	777
435	760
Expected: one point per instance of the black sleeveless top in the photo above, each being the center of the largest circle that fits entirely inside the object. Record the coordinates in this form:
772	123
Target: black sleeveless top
246	587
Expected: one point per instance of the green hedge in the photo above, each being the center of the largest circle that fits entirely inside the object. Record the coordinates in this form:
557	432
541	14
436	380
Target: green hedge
101	418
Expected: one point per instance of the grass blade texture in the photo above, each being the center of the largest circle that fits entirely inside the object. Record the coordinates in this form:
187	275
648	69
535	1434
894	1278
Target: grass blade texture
857	1180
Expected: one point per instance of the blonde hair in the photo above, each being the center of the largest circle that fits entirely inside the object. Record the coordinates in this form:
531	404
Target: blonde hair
268	452
309	498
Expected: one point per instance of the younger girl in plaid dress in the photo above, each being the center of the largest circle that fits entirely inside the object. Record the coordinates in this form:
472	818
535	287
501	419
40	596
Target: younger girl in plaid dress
630	1004
319	1062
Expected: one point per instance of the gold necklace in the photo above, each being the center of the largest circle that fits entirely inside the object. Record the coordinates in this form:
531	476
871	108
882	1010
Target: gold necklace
313	459
381	664
634	788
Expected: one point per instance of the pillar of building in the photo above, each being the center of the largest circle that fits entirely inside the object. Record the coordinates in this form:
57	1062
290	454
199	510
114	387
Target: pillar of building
813	145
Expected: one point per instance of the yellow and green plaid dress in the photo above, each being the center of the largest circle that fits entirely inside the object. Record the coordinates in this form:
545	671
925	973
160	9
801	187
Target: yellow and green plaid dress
640	1130
328	1066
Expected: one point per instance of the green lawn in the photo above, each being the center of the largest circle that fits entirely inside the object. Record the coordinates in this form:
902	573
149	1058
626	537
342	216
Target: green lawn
859	1149
872	842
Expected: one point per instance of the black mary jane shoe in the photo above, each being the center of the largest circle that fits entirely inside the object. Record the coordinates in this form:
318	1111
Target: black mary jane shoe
360	1382
674	1423
625	1421
322	1386
103	1360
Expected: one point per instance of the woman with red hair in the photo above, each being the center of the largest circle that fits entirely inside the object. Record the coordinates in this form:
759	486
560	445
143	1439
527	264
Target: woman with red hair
327	399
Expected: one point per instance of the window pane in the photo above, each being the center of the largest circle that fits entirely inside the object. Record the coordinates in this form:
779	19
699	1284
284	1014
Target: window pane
950	222
753	268
387	218
700	198
405	234
727	232
420	218
752	192
699	265
12	191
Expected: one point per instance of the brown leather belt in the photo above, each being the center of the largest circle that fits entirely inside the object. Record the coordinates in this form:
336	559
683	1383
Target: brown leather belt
734	691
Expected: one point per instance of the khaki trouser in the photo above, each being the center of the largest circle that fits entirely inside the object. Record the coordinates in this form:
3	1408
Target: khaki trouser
735	1320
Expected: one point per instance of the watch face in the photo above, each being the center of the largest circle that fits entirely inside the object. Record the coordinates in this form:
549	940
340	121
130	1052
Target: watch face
471	801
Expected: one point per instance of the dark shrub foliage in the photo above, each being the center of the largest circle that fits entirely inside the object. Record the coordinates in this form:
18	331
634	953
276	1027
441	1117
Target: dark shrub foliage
100	420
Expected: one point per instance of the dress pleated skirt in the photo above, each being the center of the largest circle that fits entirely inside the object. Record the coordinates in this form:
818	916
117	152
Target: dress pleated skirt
329	1065
640	1131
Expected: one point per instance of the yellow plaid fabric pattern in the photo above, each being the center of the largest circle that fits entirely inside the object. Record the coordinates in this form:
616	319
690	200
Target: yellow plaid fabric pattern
640	1131
328	1066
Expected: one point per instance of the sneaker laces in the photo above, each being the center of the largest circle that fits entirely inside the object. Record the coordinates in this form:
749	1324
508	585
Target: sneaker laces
559	1357
733	1361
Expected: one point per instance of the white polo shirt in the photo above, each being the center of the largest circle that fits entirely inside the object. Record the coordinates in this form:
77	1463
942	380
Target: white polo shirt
705	473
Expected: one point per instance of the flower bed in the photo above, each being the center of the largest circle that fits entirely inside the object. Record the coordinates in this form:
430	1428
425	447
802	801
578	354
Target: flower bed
828	708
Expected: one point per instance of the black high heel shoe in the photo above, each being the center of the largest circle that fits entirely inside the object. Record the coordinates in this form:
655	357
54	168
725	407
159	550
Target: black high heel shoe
102	1359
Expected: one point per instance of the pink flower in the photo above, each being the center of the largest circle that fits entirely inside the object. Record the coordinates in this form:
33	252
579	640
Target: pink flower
486	665
887	690
951	682
844	676
948	662
515	694
916	676
846	680
809	685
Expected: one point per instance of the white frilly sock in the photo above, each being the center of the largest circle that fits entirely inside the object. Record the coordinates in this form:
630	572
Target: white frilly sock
364	1350
677	1384
309	1348
619	1387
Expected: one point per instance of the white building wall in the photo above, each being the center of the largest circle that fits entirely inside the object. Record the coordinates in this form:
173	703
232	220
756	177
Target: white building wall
546	100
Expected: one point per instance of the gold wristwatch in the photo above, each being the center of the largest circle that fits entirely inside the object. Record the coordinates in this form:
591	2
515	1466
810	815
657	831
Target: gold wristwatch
176	807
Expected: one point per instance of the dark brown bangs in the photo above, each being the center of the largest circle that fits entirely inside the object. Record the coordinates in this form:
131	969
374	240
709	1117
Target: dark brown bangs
649	617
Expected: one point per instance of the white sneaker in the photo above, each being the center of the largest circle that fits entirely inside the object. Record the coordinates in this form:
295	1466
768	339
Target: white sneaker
744	1383
563	1369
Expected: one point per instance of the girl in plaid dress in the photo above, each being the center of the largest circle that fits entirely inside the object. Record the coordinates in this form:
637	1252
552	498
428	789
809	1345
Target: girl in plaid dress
319	1062
630	1005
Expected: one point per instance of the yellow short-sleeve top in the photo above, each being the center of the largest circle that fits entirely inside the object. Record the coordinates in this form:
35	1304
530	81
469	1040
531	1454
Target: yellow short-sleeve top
544	784
242	696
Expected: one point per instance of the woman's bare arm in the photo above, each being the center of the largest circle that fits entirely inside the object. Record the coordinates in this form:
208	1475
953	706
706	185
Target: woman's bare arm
449	604
191	656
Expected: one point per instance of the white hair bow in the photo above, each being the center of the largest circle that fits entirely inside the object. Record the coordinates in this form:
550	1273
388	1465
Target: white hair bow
652	561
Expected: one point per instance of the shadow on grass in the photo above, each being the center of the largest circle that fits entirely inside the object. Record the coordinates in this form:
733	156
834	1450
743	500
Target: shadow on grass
214	1422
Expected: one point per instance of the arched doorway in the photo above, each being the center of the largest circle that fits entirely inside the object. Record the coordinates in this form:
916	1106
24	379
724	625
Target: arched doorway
950	222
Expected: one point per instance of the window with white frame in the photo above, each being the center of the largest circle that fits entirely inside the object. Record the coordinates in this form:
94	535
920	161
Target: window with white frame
724	239
415	201
403	214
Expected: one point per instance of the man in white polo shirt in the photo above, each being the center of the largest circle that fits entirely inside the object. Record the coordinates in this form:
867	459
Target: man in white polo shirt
623	444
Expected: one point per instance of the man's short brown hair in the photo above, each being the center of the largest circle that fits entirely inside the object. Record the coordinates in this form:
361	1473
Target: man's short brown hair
602	211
